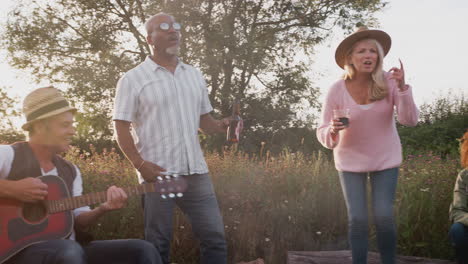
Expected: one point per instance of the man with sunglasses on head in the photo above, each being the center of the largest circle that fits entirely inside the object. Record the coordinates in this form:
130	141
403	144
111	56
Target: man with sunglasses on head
159	107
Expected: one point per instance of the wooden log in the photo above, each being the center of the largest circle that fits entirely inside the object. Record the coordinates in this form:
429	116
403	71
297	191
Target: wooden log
344	257
257	261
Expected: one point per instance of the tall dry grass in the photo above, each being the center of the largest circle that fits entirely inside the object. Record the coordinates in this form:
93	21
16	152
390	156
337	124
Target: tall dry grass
290	202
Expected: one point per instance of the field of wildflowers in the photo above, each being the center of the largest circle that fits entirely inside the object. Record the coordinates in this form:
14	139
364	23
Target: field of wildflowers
290	202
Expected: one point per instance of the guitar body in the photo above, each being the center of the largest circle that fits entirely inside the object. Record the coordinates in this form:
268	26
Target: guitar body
23	224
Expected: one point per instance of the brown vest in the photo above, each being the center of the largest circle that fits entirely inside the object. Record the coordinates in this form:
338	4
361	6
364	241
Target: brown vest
26	165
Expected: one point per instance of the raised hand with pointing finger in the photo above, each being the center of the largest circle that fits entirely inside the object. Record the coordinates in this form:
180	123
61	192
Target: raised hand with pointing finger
398	74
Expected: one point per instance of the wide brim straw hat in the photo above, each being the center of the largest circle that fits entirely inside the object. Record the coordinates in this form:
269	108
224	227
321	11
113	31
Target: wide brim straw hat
360	34
43	103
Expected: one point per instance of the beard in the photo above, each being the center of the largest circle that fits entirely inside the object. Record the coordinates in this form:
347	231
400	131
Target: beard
173	50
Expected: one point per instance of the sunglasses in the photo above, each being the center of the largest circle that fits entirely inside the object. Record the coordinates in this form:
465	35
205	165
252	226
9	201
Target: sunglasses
165	26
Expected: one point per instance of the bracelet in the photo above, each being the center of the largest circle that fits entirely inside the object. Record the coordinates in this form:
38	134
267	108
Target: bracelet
141	164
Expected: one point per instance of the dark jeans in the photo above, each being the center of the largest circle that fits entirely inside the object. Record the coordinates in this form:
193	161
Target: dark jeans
200	206
383	185
459	237
65	251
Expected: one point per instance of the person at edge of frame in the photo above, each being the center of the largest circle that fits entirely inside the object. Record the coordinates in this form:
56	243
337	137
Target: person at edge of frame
459	208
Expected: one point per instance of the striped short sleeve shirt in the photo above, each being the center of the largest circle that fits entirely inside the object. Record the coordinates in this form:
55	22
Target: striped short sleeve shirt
164	110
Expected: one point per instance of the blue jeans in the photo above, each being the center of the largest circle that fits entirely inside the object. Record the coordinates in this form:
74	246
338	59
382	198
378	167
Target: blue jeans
200	206
459	237
66	251
383	185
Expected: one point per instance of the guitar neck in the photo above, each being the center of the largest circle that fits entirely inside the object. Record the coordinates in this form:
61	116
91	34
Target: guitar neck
70	203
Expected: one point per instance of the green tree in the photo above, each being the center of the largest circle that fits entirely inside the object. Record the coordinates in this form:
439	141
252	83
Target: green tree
8	132
442	122
247	49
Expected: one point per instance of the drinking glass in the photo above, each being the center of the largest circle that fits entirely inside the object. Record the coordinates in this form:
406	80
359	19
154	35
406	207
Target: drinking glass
342	115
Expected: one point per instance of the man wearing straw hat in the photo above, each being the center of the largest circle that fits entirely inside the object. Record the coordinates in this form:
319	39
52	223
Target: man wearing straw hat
164	102
50	128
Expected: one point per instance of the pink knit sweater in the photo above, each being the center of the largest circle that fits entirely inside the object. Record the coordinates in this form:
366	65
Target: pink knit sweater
371	142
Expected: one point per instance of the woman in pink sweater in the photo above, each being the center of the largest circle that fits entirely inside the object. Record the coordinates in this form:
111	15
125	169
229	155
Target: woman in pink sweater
368	146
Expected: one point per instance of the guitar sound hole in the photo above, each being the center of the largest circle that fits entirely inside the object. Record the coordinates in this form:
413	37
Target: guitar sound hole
34	212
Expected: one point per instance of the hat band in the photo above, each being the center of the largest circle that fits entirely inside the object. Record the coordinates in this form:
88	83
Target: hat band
46	109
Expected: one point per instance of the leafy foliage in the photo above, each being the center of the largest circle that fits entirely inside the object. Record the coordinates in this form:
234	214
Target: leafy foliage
247	49
442	122
8	133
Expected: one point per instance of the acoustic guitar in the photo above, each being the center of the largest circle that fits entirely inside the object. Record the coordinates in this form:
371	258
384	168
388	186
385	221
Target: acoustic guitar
23	224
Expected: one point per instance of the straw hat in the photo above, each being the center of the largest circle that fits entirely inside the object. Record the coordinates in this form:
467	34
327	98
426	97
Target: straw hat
42	103
361	33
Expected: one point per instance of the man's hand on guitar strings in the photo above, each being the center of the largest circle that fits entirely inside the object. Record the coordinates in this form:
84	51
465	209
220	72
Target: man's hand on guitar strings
30	190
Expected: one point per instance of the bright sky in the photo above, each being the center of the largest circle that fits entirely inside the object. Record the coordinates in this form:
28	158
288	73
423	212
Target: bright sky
430	37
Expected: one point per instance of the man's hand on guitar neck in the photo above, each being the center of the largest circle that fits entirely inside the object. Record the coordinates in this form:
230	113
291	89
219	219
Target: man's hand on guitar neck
116	199
25	190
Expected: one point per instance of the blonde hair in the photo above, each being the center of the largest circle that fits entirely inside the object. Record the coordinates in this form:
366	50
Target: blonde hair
378	89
